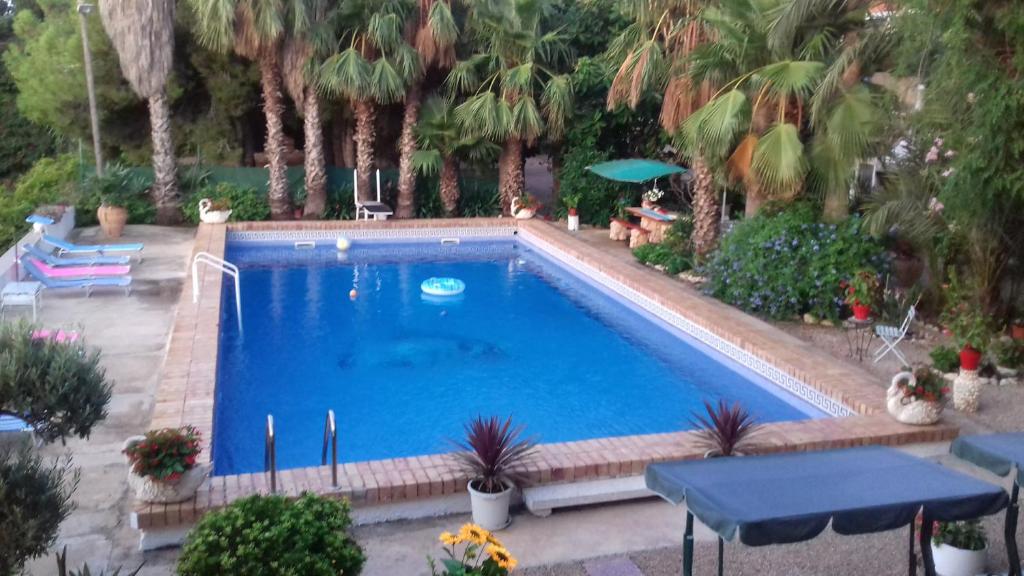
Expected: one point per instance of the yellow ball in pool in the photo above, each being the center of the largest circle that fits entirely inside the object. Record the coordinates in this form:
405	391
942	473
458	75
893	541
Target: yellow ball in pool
343	243
353	294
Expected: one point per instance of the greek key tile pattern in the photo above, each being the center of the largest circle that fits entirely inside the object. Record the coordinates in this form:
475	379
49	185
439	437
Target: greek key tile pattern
372	234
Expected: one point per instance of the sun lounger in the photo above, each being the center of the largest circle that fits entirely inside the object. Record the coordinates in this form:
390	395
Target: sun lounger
65	247
57	262
87	283
80	271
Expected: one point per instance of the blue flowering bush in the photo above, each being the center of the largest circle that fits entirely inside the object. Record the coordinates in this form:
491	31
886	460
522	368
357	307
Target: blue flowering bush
789	263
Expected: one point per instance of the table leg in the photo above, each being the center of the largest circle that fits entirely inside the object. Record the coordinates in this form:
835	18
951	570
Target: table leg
926	549
1010	532
688	546
911	556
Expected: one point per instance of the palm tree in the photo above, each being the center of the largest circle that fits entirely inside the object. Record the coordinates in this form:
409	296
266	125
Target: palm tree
305	46
434	38
255	30
143	35
653	55
375	68
516	96
793	115
442	143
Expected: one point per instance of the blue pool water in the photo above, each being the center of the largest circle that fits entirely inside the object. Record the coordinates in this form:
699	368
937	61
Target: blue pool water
404	372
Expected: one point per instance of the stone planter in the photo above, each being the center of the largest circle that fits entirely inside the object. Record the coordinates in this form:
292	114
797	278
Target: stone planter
952	561
967	391
112	219
149	490
617	230
910	411
490	511
208	216
574	222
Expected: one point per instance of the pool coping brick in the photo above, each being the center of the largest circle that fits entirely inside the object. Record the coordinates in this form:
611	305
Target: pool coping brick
188	379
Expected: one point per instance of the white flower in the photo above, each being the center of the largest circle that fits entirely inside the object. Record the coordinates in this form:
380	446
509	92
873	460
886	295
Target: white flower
932	156
948	172
935	206
938	142
654	194
971	98
950	153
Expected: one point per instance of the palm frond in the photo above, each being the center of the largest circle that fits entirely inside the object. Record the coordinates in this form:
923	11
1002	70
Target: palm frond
346	74
556	102
462	78
854	123
384	30
779	161
527	122
215	23
386	84
790	78
715	126
427	162
517	81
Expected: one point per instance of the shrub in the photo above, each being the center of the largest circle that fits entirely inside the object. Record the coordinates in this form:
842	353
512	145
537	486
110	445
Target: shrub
247	204
597	196
34	500
273	536
662	255
165	454
782	265
724	429
490	453
118	186
57	386
50	180
1009	353
945	359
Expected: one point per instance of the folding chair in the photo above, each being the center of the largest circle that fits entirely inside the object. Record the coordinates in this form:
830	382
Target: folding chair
892	335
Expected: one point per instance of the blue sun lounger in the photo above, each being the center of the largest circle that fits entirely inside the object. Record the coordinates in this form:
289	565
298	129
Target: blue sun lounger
87	283
65	247
56	261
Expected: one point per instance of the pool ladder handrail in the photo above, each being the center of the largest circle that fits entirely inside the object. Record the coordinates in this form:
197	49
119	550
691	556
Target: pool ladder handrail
225	267
270	454
331	435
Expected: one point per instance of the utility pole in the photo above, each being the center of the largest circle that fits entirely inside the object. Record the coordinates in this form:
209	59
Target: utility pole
84	10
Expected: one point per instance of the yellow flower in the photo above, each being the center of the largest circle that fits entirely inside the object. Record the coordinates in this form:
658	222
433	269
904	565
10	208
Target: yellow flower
449	539
501	557
473	533
491	539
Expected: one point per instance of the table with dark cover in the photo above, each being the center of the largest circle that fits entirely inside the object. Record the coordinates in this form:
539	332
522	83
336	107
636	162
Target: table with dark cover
787	498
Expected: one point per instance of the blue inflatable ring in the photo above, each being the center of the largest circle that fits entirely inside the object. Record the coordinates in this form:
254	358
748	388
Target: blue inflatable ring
443	286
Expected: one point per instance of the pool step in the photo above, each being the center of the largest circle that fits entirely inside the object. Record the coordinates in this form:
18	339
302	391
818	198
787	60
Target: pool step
541	500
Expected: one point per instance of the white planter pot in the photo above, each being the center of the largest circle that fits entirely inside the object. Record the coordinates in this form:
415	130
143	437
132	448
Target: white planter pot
208	216
950	561
574	222
917	412
524	214
149	490
490	511
967	391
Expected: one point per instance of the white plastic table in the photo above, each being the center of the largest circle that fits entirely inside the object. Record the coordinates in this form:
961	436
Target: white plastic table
21	294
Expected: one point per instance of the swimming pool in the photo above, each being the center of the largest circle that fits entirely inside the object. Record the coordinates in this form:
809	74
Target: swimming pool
403	372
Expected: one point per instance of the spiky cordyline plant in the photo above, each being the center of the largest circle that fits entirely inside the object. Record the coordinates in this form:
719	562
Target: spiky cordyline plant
724	429
490	452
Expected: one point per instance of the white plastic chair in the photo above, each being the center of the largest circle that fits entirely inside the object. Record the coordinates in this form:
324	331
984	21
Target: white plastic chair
892	335
367	208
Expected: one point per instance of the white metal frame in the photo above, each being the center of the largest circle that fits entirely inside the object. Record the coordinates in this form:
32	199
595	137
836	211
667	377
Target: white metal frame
361	207
889	342
225	267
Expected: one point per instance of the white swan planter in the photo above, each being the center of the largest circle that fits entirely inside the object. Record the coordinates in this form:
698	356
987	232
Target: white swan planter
907	410
212	216
521	213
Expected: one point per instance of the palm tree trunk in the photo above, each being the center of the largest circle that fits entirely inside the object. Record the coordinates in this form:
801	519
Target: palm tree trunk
406	148
837	205
706	213
316	163
511	179
273	107
165	183
754	197
365	137
450	186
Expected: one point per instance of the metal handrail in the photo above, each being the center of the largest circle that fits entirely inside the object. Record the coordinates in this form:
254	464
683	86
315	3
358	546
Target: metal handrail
331	434
225	267
270	454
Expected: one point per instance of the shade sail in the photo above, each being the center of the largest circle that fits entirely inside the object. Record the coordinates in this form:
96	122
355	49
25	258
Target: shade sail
635	170
997	453
786	498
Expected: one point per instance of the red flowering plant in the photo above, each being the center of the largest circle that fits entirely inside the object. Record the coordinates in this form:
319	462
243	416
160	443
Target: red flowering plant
164	455
928	387
862	288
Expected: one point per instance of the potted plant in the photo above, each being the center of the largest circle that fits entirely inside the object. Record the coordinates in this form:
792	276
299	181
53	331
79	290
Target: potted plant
860	293
617	229
481	554
959	548
490	453
214	211
116	189
162	464
725	430
917	397
651	197
571	202
971	329
524	206
1017	328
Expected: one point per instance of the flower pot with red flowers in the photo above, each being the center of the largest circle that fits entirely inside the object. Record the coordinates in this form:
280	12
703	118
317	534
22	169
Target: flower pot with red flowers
571	201
972	330
860	293
959	548
162	464
917	397
524	207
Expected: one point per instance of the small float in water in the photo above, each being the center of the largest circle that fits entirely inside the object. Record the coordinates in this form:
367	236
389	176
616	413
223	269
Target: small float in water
443	286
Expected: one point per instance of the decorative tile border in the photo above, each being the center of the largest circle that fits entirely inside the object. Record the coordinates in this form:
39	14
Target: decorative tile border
371	234
773	374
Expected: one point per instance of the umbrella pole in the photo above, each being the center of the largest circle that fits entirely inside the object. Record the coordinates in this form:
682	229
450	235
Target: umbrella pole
911	555
926	543
1010	531
721	553
688	545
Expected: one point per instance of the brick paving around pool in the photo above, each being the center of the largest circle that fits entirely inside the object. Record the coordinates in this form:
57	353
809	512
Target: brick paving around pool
188	379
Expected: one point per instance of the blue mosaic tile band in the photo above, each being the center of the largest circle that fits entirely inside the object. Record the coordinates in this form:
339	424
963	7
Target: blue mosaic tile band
388	233
772	373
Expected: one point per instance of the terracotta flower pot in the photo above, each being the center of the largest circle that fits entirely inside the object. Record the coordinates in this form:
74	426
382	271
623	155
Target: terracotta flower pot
860	311
969	358
1017	331
112	219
